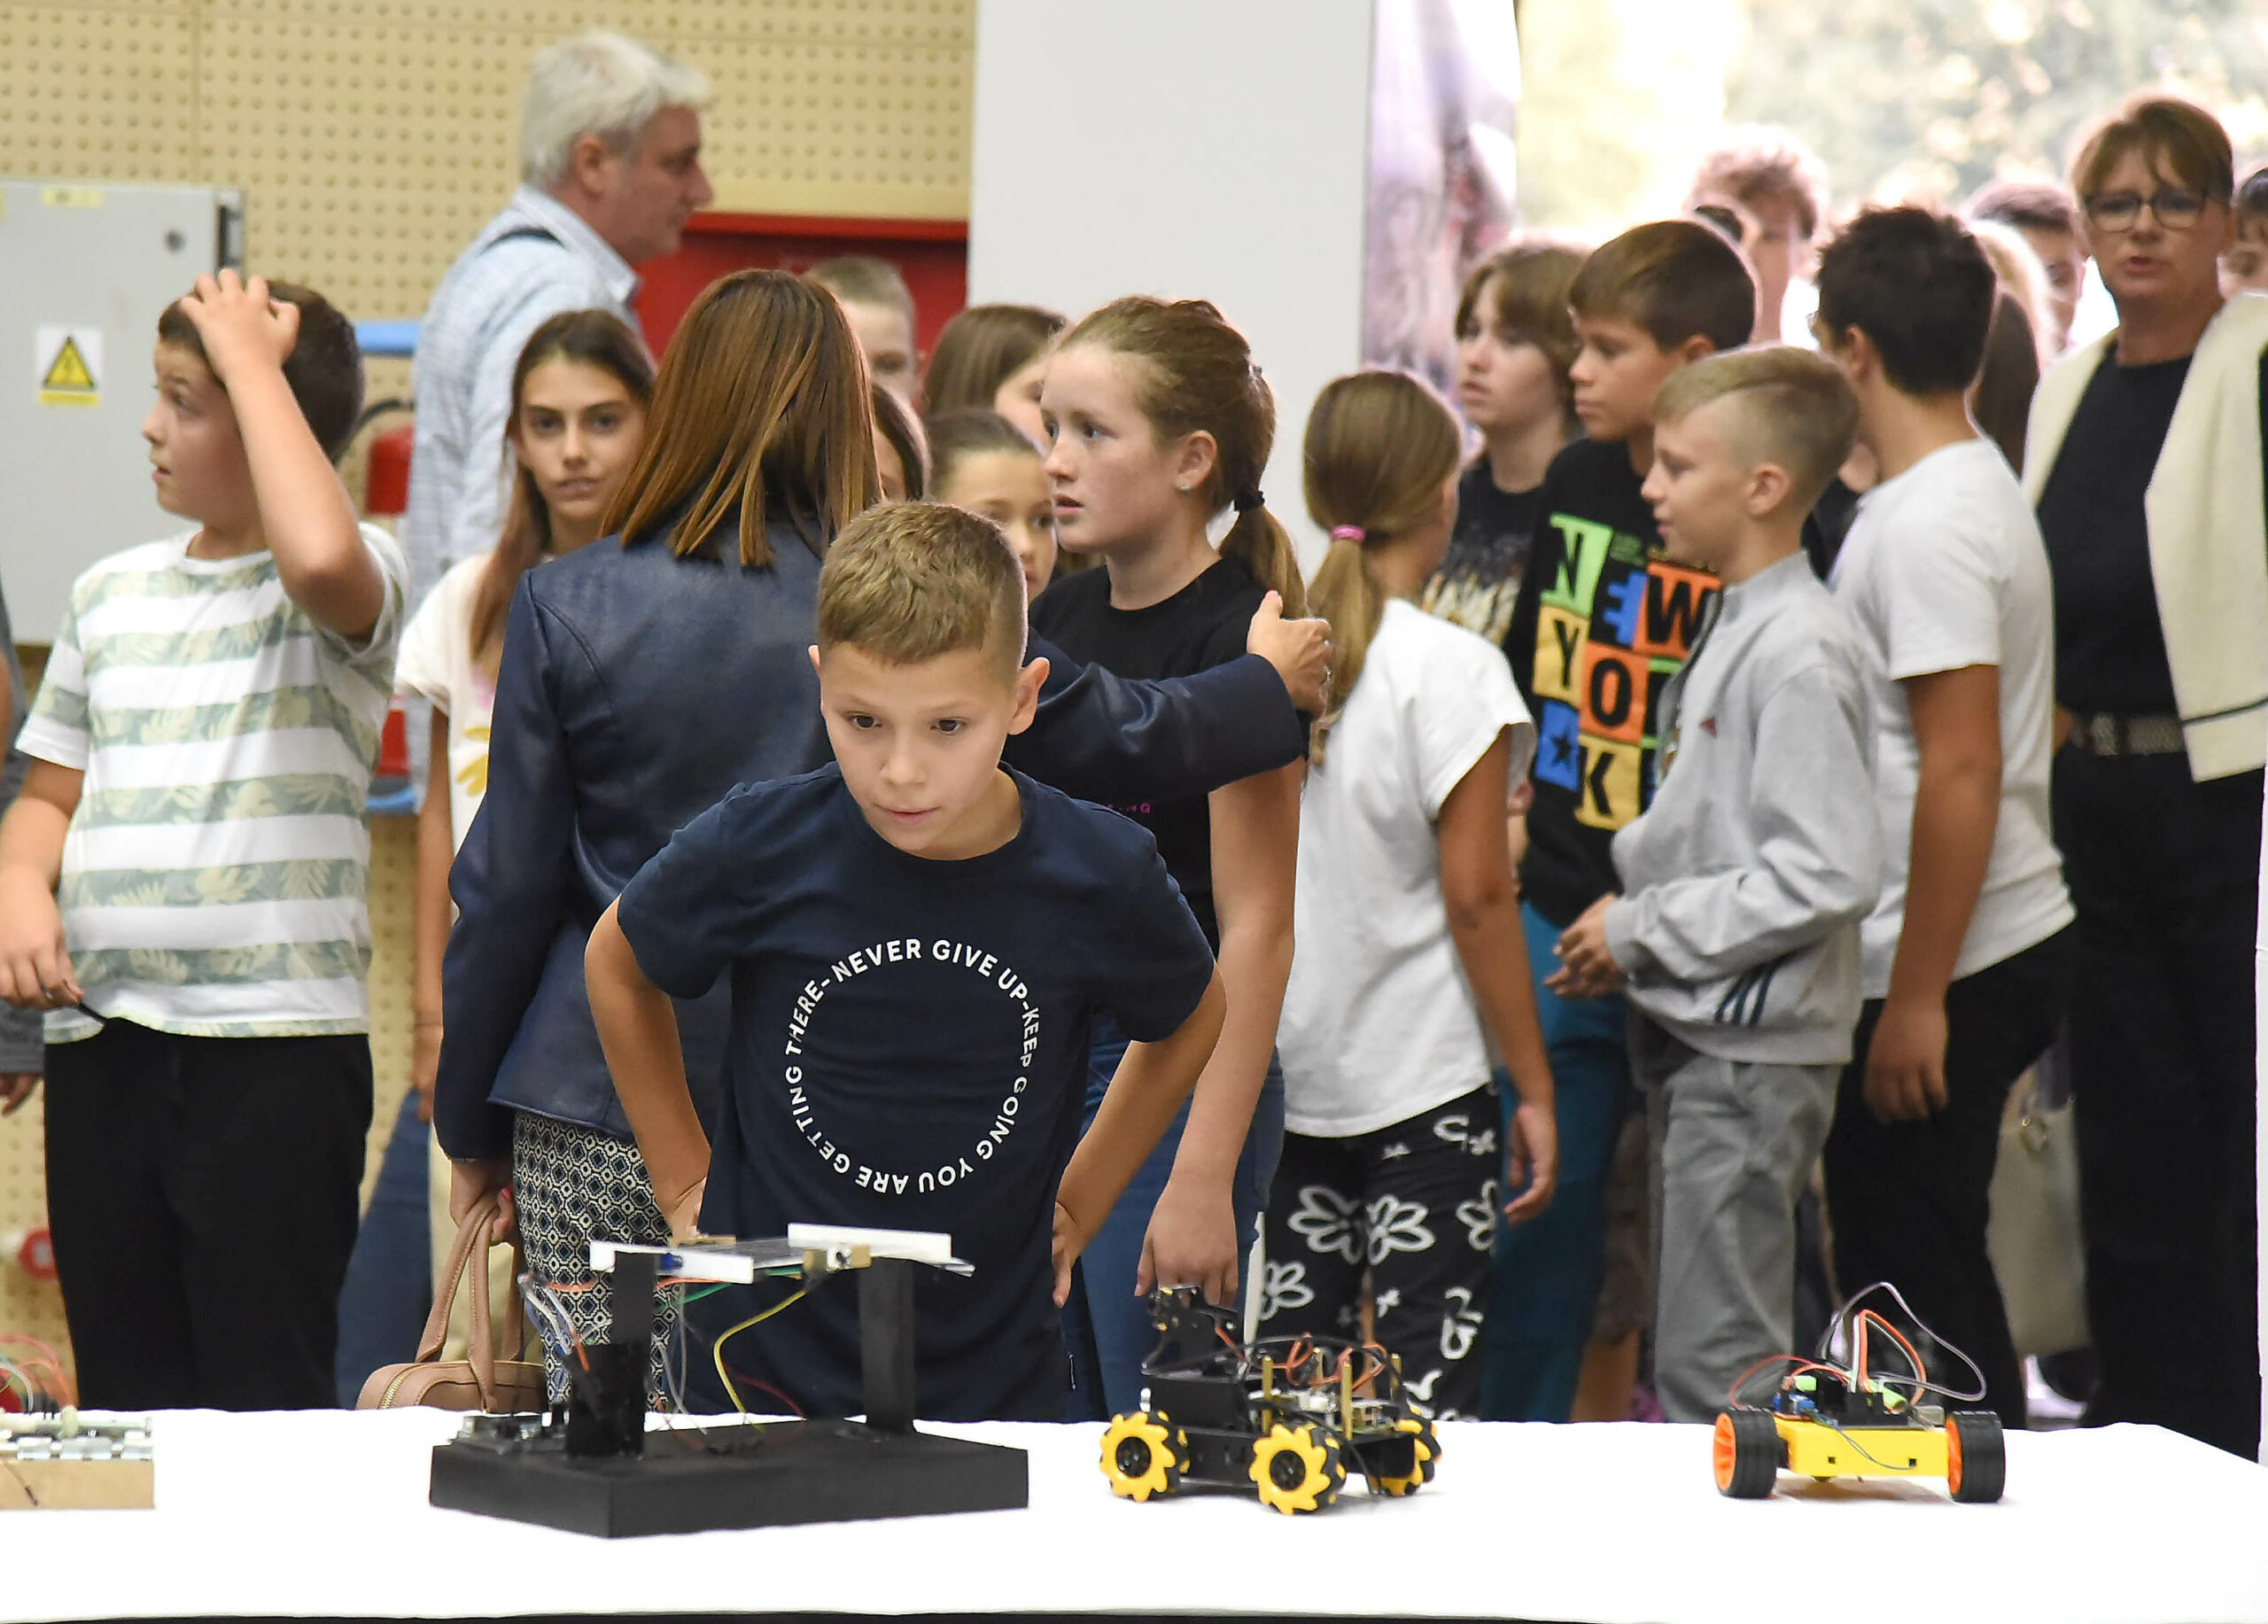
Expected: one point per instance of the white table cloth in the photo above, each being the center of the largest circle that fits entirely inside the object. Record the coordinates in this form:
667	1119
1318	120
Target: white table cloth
323	1514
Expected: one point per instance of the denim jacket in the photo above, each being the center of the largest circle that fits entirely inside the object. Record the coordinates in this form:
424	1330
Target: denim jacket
637	687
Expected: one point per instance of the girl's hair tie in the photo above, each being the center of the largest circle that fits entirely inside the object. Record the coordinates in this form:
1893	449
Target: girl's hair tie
1350	532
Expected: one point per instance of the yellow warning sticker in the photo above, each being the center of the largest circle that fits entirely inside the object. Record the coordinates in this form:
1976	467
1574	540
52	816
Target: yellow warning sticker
68	366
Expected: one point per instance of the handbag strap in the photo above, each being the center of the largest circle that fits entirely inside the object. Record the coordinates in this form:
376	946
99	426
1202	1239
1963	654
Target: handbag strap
473	1231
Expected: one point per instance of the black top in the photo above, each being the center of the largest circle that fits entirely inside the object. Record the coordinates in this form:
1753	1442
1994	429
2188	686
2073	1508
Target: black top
638	687
1199	628
1480	577
909	1051
2109	646
1604	621
1828	526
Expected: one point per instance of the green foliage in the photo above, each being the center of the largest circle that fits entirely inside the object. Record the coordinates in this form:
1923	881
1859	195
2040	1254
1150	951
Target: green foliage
1930	99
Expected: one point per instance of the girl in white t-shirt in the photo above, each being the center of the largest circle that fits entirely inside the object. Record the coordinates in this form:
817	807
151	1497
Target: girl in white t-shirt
1407	921
579	391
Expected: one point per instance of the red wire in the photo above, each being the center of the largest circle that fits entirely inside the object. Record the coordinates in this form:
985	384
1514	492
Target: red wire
1921	1371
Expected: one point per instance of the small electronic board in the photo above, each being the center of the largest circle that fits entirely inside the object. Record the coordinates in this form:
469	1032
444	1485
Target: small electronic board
1828	1419
1285	1418
593	1466
66	1462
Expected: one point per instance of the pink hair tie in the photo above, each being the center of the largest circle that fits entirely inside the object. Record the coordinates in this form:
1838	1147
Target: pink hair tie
1348	532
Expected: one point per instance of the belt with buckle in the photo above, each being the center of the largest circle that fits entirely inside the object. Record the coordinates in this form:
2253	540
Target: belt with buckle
2111	736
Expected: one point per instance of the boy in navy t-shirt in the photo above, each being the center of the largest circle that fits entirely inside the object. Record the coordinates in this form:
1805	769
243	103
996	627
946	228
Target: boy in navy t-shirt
918	939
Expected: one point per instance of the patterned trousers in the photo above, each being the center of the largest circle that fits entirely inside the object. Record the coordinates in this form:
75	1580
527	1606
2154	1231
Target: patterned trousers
1412	1208
573	1185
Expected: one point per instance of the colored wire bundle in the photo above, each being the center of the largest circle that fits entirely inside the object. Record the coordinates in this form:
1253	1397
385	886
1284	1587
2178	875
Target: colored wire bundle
37	1373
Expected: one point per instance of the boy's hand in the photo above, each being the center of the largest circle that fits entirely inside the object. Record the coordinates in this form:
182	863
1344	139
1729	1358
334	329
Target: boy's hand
684	1214
1906	1062
1299	649
470	1181
1587	969
240	325
1068	1243
15	1088
1531	1158
1191	1242
34	959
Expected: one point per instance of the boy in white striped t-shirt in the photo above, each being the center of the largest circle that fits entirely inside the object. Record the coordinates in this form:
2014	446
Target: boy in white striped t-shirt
183	878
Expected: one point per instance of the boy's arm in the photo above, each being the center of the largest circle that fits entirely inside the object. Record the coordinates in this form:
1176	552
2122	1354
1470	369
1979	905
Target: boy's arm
304	511
1956	813
637	1027
1146	1090
1818	849
1108	738
34	959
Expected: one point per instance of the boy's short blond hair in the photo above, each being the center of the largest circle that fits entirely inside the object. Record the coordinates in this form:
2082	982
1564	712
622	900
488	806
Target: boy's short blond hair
1797	410
918	580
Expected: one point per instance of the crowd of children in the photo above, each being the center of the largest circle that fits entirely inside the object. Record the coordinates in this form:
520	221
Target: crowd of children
1636	938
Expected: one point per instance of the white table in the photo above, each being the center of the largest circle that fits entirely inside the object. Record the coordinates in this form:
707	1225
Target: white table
323	1514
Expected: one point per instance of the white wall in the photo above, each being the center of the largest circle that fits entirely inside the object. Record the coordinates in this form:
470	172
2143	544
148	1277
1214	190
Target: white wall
1213	149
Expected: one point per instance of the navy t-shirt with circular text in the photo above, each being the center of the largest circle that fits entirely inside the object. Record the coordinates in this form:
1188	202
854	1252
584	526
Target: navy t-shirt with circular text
909	1051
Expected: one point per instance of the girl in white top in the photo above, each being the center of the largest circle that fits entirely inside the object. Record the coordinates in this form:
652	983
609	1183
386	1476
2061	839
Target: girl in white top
1411	956
579	416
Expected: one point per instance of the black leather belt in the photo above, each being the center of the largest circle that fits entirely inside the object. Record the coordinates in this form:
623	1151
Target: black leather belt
2109	736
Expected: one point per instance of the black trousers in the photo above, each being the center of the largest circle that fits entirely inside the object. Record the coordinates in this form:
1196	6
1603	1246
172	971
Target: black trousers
2165	872
1413	1206
204	1193
1908	1201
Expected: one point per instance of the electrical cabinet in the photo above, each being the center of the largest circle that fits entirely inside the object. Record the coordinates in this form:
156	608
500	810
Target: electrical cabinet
85	270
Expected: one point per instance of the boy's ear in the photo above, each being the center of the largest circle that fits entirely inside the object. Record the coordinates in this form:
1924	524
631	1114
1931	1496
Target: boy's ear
1769	486
1029	680
1694	349
814	654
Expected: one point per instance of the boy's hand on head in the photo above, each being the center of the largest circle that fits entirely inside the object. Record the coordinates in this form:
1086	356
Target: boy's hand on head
1587	969
240	325
1070	1241
1530	1162
1299	649
1191	1242
1906	1062
34	959
15	1088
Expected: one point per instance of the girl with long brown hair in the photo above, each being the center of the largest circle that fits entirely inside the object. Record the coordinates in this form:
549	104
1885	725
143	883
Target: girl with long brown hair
1411	923
1158	421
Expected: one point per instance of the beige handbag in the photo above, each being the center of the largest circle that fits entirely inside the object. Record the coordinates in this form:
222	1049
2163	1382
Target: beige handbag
485	1380
2034	1237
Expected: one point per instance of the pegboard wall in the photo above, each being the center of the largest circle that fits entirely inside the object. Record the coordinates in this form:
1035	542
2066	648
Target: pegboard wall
371	138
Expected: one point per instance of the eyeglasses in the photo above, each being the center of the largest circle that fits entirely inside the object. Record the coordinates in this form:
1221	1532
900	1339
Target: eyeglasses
2117	211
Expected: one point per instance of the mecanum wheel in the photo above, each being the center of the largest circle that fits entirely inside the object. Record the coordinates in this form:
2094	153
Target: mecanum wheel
1143	1454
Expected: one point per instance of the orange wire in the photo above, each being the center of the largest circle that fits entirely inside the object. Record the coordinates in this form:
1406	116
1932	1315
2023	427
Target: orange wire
1732	1394
1921	1371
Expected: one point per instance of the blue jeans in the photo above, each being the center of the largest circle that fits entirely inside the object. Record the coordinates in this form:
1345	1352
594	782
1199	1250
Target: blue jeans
1543	1276
1106	1328
389	1288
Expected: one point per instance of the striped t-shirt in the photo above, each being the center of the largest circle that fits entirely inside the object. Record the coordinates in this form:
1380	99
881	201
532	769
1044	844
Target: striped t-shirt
215	876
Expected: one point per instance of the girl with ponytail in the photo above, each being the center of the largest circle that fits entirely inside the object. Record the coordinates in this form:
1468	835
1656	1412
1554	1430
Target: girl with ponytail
1157	422
1407	907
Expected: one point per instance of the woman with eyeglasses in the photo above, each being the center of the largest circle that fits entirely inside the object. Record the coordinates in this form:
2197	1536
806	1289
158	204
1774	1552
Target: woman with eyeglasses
2145	460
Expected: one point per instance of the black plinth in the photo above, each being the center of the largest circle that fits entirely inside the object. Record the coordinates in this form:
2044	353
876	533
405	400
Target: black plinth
760	1477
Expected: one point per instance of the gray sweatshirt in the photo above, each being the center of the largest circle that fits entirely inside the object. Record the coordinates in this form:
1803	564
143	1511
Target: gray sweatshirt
21	1047
1744	881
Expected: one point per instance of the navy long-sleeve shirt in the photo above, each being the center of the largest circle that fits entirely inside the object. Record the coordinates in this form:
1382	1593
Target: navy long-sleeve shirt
636	689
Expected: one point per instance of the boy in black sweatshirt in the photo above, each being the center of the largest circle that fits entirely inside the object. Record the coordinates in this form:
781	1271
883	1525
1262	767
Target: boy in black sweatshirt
1603	621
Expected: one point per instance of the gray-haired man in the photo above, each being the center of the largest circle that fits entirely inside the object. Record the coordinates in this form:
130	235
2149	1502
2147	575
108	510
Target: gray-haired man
610	165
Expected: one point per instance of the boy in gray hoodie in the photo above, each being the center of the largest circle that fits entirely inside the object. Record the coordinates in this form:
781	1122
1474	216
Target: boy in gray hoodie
1737	936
